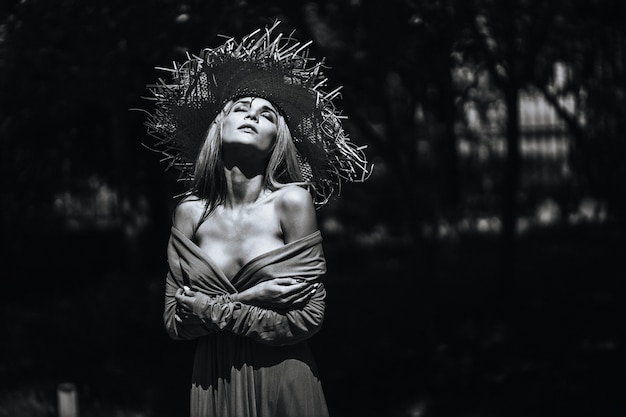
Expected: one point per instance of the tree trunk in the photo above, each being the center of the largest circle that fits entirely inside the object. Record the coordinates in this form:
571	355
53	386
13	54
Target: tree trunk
510	190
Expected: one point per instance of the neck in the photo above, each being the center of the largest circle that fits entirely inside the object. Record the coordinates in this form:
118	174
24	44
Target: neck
244	168
242	190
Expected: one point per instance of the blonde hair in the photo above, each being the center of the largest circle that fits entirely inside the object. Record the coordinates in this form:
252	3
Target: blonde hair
209	179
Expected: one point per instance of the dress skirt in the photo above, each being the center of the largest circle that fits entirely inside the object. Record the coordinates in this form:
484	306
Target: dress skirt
235	376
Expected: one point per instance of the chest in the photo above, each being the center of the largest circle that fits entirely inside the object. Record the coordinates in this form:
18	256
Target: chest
234	238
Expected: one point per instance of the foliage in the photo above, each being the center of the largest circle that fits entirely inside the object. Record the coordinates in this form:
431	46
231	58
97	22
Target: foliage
70	73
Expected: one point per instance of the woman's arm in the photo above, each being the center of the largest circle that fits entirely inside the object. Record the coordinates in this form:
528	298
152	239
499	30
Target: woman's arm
186	214
269	326
278	293
181	326
296	213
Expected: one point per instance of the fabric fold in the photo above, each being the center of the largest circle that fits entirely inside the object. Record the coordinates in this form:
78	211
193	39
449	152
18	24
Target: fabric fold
250	360
188	265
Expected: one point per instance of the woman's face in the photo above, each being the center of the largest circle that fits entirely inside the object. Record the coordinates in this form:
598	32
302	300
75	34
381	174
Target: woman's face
251	121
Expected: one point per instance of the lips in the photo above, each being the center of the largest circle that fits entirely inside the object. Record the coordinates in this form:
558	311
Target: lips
248	126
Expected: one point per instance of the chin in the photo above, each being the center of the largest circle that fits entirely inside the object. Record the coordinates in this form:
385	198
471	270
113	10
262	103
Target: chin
246	145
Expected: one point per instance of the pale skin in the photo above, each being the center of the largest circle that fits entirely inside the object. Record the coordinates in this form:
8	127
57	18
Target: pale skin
252	220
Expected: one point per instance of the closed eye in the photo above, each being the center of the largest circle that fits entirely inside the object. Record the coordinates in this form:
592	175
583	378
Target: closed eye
269	115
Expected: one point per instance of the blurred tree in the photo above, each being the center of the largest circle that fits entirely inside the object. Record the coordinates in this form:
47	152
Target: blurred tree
506	39
394	60
71	71
588	40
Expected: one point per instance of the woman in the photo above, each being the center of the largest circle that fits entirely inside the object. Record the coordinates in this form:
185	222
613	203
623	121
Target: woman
245	254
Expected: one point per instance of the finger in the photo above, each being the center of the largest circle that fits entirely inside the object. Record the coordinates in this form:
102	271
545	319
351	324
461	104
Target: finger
285	281
293	290
307	291
183	293
178	319
188	291
304	297
305	287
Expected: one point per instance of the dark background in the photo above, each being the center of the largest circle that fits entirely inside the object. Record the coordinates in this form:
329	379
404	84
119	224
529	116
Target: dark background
477	273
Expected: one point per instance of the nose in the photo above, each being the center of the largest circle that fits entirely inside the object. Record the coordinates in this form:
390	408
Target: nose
252	114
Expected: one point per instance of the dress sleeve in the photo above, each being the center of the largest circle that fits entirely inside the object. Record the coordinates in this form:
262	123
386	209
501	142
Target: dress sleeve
272	327
191	326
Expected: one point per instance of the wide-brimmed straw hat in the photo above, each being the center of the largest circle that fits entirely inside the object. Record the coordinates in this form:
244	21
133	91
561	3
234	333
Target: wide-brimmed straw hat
266	65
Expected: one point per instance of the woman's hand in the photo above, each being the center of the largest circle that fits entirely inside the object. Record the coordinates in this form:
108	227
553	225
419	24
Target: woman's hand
275	293
278	293
188	302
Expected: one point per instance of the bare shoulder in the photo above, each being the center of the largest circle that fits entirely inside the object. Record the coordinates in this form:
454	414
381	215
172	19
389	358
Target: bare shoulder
296	212
294	197
187	214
